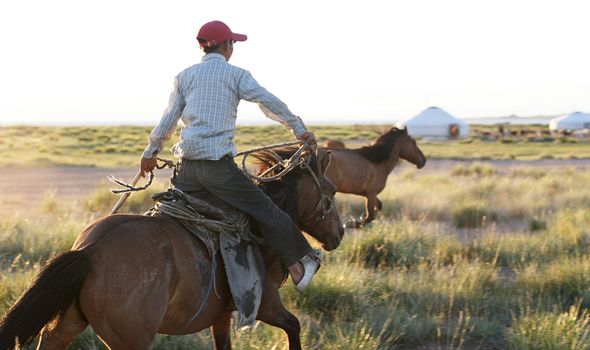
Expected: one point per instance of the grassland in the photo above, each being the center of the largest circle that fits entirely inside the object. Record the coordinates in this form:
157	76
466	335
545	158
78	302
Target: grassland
122	145
473	257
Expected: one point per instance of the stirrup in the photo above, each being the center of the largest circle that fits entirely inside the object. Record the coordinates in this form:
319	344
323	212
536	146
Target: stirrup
311	264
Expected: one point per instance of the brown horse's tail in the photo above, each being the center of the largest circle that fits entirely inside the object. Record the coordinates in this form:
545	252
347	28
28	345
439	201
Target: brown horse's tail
50	295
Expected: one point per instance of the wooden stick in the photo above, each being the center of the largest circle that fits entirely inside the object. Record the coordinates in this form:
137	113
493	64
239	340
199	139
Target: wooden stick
124	196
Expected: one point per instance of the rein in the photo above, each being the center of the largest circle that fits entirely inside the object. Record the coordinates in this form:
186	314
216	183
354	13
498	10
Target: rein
301	158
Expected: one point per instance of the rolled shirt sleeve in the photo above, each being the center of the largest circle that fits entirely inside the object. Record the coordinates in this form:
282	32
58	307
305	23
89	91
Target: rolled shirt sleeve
269	104
167	125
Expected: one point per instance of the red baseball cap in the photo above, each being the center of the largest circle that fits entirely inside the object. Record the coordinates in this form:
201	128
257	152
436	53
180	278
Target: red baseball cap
217	32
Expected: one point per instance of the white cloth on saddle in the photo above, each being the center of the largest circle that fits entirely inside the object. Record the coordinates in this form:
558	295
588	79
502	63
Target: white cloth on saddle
221	227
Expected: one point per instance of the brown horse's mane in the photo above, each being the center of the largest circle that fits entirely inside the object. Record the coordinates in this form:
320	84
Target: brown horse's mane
283	191
380	151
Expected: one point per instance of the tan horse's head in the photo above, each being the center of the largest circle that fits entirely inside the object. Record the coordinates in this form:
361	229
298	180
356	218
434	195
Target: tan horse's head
409	150
307	195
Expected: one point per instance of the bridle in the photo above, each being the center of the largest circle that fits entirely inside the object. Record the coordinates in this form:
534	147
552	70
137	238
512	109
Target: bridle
301	158
325	204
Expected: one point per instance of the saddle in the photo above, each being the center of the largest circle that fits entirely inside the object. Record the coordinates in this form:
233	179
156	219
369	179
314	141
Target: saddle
226	230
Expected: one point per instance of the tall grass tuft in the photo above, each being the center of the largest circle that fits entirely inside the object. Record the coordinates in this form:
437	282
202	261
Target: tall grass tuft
35	240
541	330
13	283
102	200
398	245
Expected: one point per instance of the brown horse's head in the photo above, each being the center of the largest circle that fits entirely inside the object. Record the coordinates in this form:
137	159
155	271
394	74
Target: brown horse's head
409	150
307	195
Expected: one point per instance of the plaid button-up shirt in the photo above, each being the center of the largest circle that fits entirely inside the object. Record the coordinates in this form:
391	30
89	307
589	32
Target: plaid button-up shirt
205	98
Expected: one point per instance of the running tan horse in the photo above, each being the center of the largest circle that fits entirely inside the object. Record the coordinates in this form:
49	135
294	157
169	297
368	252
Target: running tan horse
132	276
364	171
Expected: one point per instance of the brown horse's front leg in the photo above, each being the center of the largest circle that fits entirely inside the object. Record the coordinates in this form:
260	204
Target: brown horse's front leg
271	309
369	215
275	314
221	331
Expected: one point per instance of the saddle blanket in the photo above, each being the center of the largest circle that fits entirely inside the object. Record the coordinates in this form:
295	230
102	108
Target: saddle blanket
222	229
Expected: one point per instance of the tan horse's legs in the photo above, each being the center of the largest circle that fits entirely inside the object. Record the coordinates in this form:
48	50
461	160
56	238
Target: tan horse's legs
221	331
370	203
378	204
58	335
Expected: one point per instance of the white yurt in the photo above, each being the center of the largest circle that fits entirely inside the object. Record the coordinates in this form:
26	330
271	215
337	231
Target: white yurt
435	123
572	121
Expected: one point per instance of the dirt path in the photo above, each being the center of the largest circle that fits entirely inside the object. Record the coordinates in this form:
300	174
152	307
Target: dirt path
504	165
23	188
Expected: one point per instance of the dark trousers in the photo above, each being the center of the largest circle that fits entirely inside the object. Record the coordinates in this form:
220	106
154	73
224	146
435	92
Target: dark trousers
223	179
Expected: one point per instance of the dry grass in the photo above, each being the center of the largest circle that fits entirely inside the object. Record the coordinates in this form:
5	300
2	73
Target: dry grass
412	279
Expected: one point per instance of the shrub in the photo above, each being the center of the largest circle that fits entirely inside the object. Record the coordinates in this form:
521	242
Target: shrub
383	252
472	216
49	202
475	169
537	225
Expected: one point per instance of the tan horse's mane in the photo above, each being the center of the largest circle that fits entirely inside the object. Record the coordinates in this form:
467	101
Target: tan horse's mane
284	191
266	159
380	151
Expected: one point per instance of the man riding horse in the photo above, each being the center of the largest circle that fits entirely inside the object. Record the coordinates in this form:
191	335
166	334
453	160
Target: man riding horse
205	97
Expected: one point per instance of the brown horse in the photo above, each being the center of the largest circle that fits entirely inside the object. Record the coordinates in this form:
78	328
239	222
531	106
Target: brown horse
364	171
132	276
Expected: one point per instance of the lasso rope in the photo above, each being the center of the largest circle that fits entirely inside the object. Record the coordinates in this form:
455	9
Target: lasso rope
128	188
190	214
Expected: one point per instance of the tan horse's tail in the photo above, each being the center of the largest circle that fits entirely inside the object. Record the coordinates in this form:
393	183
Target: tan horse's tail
50	295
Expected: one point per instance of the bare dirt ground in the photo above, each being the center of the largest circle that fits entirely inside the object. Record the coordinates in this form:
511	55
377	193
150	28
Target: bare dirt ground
23	188
504	165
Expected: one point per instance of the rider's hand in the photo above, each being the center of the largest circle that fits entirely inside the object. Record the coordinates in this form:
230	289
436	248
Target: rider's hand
147	165
308	137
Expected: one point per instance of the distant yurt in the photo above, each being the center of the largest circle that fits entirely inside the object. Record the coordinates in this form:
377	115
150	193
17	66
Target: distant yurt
572	121
435	123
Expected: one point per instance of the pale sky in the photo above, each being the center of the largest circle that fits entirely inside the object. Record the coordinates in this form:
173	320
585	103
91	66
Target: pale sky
113	61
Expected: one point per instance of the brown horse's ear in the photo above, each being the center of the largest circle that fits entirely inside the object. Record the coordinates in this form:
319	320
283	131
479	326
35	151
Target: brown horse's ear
325	162
405	129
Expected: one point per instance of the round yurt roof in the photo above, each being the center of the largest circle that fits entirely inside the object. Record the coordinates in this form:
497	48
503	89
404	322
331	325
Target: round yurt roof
575	120
433	116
